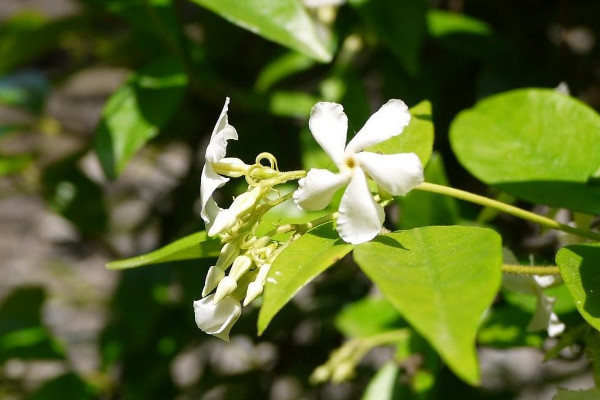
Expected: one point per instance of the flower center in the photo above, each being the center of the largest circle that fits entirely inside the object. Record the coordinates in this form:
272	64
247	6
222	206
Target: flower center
350	162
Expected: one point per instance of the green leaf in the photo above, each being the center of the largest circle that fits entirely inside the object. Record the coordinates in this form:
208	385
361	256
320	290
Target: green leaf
13	164
281	68
67	386
463	35
29	36
25	89
566	394
399	24
297	265
536	144
135	112
441	279
385	385
422	208
22	334
196	245
284	21
506	327
579	266
367	317
292	104
417	137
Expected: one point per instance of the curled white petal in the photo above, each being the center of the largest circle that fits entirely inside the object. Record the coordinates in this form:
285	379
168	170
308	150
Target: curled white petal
222	132
389	121
217	319
329	125
360	217
209	182
397	174
317	188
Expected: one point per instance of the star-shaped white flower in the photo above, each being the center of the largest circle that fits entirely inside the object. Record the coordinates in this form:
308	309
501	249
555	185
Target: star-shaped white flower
215	152
360	216
217	319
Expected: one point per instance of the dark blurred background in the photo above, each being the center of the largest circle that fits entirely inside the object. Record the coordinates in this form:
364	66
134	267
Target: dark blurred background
71	329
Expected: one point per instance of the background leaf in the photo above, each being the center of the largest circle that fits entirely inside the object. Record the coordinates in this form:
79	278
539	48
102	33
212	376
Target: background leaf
579	266
422	272
135	112
536	144
284	21
297	265
399	24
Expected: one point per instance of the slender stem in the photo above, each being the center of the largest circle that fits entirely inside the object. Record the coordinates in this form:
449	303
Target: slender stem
530	270
506	208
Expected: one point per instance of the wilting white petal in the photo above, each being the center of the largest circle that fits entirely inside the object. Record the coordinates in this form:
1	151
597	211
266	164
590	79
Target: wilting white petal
329	125
360	217
397	174
217	319
543	318
316	190
221	134
209	182
389	121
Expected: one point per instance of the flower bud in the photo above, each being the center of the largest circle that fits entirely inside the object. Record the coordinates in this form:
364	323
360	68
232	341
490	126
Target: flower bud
224	220
246	201
230	166
213	277
254	290
217	319
240	266
225	288
228	253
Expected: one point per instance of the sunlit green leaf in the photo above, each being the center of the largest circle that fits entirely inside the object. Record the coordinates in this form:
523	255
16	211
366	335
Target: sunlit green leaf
441	280
579	267
196	245
297	265
134	113
284	21
536	144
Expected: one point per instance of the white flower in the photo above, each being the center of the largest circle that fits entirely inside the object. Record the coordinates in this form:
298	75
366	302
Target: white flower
360	216
215	152
217	319
543	318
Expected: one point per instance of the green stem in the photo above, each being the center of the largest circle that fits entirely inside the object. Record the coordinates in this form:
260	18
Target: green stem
530	270
506	208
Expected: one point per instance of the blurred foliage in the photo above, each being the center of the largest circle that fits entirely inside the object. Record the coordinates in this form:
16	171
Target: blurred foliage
275	60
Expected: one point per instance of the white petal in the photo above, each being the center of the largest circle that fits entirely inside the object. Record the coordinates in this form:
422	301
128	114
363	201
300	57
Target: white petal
222	132
397	174
217	319
316	190
360	218
389	121
543	318
209	182
329	126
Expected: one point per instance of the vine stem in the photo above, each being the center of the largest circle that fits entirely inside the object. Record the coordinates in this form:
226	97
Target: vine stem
506	208
530	270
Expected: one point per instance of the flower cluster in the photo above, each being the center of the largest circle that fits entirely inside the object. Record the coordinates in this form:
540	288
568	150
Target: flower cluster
241	269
